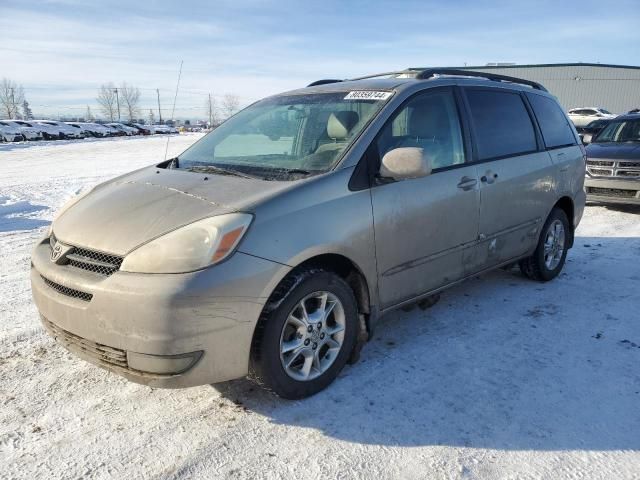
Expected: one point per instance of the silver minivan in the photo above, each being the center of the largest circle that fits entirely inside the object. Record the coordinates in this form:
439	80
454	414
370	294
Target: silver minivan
272	246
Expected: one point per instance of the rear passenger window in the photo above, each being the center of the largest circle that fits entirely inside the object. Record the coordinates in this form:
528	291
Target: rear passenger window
502	124
555	128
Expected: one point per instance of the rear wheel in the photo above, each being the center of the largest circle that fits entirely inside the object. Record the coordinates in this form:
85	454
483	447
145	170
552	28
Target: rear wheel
550	254
302	344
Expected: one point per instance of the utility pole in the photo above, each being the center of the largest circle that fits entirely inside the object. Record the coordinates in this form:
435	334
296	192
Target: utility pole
14	110
118	102
159	111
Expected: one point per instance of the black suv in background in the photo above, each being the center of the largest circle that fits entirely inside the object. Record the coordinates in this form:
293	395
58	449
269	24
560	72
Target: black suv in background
613	162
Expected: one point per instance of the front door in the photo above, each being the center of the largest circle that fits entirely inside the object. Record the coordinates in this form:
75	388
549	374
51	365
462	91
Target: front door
424	226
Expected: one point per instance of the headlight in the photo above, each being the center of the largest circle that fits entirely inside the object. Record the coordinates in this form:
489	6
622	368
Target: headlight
190	248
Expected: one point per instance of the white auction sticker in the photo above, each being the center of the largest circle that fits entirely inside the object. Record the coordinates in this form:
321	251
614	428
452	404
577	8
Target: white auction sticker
367	95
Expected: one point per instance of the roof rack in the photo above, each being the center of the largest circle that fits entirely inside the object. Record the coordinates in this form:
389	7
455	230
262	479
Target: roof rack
427	73
324	82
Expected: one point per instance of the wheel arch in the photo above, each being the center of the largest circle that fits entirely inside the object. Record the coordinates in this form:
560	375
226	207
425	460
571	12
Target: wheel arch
342	266
565	204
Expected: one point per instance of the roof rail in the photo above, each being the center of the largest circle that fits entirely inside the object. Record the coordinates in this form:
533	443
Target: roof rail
324	82
385	74
425	74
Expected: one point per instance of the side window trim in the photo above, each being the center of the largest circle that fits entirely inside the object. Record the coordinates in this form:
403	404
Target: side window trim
534	122
474	136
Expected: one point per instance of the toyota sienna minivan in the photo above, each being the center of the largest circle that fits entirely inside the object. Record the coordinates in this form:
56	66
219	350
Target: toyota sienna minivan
272	246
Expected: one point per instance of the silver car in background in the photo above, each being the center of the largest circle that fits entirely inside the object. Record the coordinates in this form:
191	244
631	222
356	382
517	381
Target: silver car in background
272	246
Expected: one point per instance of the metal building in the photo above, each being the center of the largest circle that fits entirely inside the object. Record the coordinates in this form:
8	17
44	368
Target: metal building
613	87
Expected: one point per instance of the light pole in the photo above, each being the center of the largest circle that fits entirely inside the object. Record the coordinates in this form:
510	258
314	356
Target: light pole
117	102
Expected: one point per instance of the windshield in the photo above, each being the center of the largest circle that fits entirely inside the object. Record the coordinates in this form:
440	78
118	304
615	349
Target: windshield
620	131
284	135
602	110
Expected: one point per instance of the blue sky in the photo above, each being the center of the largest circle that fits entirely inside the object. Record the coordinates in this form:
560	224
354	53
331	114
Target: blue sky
61	51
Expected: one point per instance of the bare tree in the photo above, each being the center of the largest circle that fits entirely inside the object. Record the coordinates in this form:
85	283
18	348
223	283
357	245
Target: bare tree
89	115
212	112
152	118
131	99
230	104
11	98
107	100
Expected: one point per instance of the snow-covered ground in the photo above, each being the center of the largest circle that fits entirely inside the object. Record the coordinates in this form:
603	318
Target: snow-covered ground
504	378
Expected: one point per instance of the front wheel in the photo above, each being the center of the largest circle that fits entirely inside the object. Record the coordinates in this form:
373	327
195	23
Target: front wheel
550	254
302	343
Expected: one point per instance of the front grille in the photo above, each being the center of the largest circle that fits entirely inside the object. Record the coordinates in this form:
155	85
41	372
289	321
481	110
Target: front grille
600	172
600	163
69	292
612	192
614	168
91	260
102	353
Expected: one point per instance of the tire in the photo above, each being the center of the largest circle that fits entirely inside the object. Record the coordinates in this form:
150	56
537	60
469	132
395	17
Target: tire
548	259
312	353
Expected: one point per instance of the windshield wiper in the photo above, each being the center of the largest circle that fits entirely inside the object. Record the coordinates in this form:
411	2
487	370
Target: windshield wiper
220	171
300	171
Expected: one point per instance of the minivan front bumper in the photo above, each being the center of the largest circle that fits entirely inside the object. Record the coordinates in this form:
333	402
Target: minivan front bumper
161	330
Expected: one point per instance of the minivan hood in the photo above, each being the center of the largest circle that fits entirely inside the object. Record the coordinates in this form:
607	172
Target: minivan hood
118	216
614	151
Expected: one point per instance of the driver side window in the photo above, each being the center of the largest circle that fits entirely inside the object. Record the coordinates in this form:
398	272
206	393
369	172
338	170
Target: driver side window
429	121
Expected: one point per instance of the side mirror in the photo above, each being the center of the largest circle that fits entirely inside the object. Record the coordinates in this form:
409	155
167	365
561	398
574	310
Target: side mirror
586	138
405	163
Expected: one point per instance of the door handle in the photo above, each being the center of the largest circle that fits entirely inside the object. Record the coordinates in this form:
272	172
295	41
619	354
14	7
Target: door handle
467	183
489	178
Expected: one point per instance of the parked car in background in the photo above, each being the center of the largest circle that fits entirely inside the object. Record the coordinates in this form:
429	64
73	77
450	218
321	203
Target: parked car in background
142	129
583	116
163	129
48	132
81	128
96	129
28	132
113	131
613	162
272	245
125	129
10	133
592	128
64	130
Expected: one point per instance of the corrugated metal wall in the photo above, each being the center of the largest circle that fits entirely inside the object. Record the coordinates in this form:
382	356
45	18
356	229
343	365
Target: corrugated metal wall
615	88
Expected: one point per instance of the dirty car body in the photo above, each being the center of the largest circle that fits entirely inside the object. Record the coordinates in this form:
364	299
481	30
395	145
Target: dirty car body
393	189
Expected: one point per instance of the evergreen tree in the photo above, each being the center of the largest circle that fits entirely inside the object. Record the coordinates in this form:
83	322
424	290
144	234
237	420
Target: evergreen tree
27	114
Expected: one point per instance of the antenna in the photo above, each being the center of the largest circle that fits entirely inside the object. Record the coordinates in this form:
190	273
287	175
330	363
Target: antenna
173	110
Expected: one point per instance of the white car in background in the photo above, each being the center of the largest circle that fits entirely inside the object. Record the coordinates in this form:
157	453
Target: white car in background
48	132
129	131
64	130
9	133
585	115
28	132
